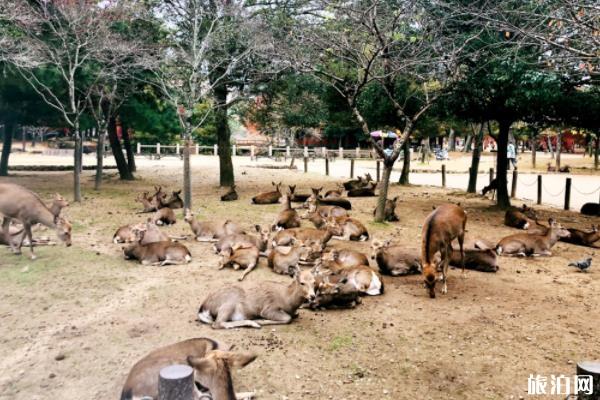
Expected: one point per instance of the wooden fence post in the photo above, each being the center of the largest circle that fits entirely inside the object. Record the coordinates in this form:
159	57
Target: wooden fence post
215	150
176	382
443	175
157	148
234	150
539	189
305	164
491	174
341	153
568	194
252	152
327	166
378	171
270	151
177	148
513	189
287	151
139	148
197	149
352	168
305	151
358	152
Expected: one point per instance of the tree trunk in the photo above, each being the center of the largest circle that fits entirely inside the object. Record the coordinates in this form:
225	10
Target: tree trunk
558	149
383	190
404	180
99	157
503	199
115	145
187	174
226	176
477	149
9	129
467	147
597	152
129	151
77	165
451	140
533	147
550	149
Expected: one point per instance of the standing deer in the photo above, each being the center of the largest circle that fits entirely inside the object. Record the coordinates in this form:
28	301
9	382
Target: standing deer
231	195
525	244
17	202
212	363
264	303
446	223
287	217
268	197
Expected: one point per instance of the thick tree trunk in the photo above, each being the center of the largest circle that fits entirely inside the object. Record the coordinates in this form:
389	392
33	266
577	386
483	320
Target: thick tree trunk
503	199
533	148
187	175
558	149
77	164
550	148
383	190
115	145
99	157
129	151
226	176
9	129
597	152
451	140
467	147
472	188
404	180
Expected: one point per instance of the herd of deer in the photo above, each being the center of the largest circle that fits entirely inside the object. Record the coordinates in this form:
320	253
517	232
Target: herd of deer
323	276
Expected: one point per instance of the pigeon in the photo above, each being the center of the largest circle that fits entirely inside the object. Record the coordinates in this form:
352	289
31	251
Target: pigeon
583	265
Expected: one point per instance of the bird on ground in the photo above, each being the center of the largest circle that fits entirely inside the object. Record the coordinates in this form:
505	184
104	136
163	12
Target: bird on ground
582	265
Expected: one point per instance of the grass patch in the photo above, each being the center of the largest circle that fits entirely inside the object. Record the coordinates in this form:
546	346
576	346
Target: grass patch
340	342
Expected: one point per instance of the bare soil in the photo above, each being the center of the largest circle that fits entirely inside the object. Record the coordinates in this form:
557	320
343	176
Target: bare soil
74	321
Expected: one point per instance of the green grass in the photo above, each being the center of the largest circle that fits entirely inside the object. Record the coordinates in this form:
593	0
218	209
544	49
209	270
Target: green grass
340	342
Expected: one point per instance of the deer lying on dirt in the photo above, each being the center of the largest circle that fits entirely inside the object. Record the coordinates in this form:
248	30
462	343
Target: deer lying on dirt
174	202
332	291
164	216
550	168
243	239
334	193
316	198
17	202
231	195
525	244
127	233
335	260
361	278
395	260
358	183
210	231
582	238
212	363
158	253
366	191
146	203
317	213
242	256
287	217
264	303
390	210
590	209
446	223
297	197
302	235
284	260
17	233
521	218
268	197
482	260
347	228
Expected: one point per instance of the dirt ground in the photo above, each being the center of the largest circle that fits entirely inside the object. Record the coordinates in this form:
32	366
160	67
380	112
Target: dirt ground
74	321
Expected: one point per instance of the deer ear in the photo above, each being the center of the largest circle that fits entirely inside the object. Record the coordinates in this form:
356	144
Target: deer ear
551	221
57	220
257	227
201	364
240	360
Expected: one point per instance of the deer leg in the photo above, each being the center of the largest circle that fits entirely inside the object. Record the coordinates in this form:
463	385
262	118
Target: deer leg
461	241
445	254
274	317
6	233
28	232
236	324
247	271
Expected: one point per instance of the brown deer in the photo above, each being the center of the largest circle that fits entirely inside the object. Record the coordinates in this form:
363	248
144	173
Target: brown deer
212	363
158	253
361	278
297	197
146	202
347	228
475	259
127	233
366	191
446	223
525	244
334	193
17	233
550	168
334	259
240	256
316	198
395	260
260	241
334	291
521	218
390	210
174	202
304	235
582	238
268	197
231	195
285	261
358	183
565	169
287	217
164	216
17	202
58	203
590	209
264	303
210	231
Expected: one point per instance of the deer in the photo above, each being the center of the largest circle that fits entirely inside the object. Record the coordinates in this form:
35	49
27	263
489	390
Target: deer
240	256
444	224
360	277
333	291
390	210
164	216
174	202
366	191
315	204
582	238
334	193
146	202
305	235
227	242
524	244
285	261
268	197
358	183
58	203
590	209
212	362
127	233
483	260
297	197
158	253
335	260
347	228
395	260
210	231
264	303
550	168
17	232
17	202
231	195
492	187
565	169
287	217
521	218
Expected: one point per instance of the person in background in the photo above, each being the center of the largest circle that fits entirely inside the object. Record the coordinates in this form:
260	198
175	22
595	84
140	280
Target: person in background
511	155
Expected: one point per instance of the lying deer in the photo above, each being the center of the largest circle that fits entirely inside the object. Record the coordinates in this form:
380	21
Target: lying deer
446	223
212	363
164	216
565	169
582	238
303	235
127	233
17	202
395	260
210	231
287	217
482	260
390	210
268	197
550	168
358	183
334	193
366	191
264	303
316	198
16	234
361	277
260	241
174	202
284	260
146	203
335	260
521	218
158	253
333	292
590	209
297	197
347	228
242	256
231	195
524	244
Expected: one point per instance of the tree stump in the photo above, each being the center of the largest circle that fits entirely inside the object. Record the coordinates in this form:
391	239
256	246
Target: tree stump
176	382
590	368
